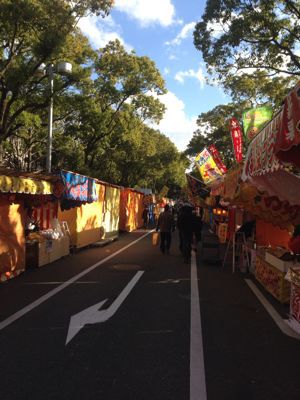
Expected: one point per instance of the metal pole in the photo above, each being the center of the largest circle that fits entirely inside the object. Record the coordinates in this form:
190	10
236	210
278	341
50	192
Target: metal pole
50	119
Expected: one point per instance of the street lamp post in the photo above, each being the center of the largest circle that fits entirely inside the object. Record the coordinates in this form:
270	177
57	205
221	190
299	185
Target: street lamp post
62	68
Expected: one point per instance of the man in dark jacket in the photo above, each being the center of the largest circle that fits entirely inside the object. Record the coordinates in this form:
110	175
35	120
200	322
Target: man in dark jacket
166	225
185	225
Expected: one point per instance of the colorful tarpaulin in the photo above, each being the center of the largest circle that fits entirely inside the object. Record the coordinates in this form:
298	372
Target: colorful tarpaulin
255	119
207	166
78	188
216	156
236	135
13	184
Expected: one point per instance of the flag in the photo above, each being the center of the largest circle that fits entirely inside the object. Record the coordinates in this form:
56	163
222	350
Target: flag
255	119
207	166
236	134
216	156
197	189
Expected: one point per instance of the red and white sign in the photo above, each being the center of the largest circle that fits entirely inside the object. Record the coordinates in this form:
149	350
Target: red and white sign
236	134
216	156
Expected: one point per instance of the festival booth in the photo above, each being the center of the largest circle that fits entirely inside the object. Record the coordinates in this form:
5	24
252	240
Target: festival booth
30	235
131	209
111	211
81	209
272	168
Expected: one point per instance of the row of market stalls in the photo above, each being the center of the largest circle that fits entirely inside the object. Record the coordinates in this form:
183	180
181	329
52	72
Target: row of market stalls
43	216
255	207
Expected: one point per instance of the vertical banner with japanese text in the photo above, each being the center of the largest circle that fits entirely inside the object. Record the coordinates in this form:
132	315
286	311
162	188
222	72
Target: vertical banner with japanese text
236	134
216	156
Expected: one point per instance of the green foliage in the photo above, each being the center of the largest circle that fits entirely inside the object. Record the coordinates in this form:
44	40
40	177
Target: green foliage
34	33
261	34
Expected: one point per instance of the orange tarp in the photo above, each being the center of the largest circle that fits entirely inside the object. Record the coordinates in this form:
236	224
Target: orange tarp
85	222
131	209
12	240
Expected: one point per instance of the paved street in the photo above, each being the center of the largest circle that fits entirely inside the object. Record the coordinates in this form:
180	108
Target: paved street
142	340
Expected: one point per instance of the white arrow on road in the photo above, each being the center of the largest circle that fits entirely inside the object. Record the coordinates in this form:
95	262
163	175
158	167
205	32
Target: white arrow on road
92	315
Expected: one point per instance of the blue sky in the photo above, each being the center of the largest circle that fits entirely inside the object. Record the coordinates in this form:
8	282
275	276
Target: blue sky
163	31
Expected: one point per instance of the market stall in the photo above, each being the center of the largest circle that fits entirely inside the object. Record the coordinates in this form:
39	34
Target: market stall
81	209
30	233
131	208
111	211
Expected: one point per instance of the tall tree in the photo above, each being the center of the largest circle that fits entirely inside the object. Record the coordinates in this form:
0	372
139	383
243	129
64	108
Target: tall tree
120	93
239	35
34	33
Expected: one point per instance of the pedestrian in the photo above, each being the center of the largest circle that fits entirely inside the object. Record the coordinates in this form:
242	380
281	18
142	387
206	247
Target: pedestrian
197	228
145	217
185	226
166	226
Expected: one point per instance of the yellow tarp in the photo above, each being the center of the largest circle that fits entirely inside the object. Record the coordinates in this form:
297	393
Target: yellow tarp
13	184
111	211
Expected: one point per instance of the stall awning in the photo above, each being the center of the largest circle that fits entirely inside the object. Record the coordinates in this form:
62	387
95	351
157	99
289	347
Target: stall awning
287	146
14	184
262	168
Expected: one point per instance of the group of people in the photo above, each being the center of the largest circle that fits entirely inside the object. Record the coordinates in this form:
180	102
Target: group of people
189	225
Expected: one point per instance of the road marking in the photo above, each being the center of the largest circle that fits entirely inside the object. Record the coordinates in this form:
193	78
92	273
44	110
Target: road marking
53	292
281	323
197	370
92	315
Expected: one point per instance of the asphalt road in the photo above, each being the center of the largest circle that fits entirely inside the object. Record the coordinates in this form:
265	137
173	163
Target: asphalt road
142	340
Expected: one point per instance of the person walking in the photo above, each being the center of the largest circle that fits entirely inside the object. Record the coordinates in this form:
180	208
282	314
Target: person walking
166	226
145	217
186	228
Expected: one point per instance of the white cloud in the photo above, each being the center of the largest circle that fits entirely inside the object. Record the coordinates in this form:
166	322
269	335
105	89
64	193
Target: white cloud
176	124
185	32
148	12
101	30
166	71
181	75
172	57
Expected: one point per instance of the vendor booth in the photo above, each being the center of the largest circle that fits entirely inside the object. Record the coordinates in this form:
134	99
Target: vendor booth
131	209
30	233
111	211
81	209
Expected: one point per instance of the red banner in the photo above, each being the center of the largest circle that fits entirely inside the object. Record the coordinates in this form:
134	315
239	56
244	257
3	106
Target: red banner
236	134
216	156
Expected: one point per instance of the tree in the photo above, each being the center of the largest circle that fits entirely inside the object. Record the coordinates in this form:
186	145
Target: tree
34	33
119	94
242	36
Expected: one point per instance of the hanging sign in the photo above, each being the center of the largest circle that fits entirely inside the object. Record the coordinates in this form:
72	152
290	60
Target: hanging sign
207	166
236	134
216	156
255	119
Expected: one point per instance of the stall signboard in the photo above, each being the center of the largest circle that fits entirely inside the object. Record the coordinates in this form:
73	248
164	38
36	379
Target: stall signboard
196	187
218	160
255	119
261	157
295	302
273	280
236	135
207	166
